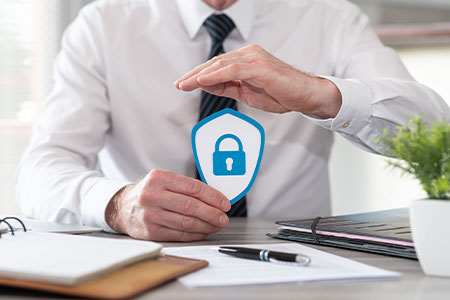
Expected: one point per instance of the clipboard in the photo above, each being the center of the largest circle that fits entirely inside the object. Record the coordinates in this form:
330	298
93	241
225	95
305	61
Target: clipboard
122	284
384	232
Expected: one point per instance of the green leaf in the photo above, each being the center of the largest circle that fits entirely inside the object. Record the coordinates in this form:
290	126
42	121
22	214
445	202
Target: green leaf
424	152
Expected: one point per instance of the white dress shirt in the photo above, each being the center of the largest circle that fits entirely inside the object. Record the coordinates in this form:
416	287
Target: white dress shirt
114	100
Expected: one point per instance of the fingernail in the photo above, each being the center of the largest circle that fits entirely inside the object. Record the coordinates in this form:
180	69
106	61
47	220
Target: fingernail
223	220
182	85
226	205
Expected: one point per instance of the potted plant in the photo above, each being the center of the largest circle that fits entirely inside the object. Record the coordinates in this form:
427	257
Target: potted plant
424	152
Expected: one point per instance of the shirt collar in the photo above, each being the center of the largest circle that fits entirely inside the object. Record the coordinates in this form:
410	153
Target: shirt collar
195	12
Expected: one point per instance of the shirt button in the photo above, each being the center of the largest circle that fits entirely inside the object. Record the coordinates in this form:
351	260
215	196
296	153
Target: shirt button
346	124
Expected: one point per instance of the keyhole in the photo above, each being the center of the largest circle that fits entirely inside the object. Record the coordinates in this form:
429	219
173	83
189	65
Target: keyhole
229	162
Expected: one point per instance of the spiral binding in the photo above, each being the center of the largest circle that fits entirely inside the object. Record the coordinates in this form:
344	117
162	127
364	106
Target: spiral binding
4	220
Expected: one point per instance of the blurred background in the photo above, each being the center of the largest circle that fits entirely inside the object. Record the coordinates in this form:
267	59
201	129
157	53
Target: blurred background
30	33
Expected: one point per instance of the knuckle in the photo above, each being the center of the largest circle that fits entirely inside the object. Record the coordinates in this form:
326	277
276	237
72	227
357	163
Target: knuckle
187	224
254	47
157	175
147	198
234	67
214	59
219	64
184	236
153	175
190	207
143	198
195	187
187	205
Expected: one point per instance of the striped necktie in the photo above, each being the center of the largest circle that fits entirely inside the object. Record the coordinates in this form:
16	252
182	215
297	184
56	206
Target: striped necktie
218	27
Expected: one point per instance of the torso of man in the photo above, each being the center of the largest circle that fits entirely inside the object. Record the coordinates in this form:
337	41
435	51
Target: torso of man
146	47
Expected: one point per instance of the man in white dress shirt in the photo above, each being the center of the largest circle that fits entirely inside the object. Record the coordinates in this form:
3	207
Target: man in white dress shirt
302	68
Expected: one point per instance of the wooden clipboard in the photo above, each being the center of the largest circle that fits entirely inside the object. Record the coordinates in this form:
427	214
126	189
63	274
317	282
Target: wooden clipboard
121	284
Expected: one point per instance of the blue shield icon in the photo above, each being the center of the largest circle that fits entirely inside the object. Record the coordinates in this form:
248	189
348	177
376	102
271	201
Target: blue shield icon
228	148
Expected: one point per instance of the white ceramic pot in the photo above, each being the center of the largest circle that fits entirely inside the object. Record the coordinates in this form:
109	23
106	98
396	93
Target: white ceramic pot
430	224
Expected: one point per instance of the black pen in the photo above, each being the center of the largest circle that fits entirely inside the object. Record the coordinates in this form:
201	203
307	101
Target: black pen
266	255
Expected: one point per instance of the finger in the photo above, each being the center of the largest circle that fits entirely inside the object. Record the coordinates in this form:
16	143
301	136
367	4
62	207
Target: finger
232	72
251	52
247	94
230	55
229	89
192	83
193	207
191	187
182	222
164	234
194	72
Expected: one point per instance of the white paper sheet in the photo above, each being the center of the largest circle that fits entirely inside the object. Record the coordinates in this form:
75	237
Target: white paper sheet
226	270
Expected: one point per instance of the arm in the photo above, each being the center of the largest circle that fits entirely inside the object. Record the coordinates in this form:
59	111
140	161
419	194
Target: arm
57	181
370	90
377	90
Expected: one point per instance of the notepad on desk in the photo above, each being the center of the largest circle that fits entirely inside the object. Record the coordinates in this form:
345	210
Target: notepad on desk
87	267
67	259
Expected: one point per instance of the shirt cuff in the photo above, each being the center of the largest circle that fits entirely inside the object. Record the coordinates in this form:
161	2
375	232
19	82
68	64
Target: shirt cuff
356	107
96	200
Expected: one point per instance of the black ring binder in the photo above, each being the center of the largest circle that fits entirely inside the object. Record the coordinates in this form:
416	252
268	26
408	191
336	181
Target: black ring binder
9	225
313	230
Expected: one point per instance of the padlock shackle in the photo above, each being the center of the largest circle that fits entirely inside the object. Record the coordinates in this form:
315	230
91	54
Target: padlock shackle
229	136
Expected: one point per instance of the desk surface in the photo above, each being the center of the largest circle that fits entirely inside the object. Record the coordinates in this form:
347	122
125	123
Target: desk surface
413	284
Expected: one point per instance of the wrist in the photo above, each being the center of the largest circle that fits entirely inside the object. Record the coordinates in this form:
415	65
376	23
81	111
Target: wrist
113	212
326	97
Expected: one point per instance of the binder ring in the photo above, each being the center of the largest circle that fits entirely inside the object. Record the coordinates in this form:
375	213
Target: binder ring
9	225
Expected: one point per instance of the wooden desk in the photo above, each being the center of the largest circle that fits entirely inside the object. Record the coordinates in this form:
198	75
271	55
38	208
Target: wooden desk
413	284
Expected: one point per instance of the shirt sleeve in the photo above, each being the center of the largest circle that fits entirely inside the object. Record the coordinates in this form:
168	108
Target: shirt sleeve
57	179
377	90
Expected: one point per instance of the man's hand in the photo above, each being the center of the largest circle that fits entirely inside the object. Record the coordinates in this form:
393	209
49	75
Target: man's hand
164	206
254	77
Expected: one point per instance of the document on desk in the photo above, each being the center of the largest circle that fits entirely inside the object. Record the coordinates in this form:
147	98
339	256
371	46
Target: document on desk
226	270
